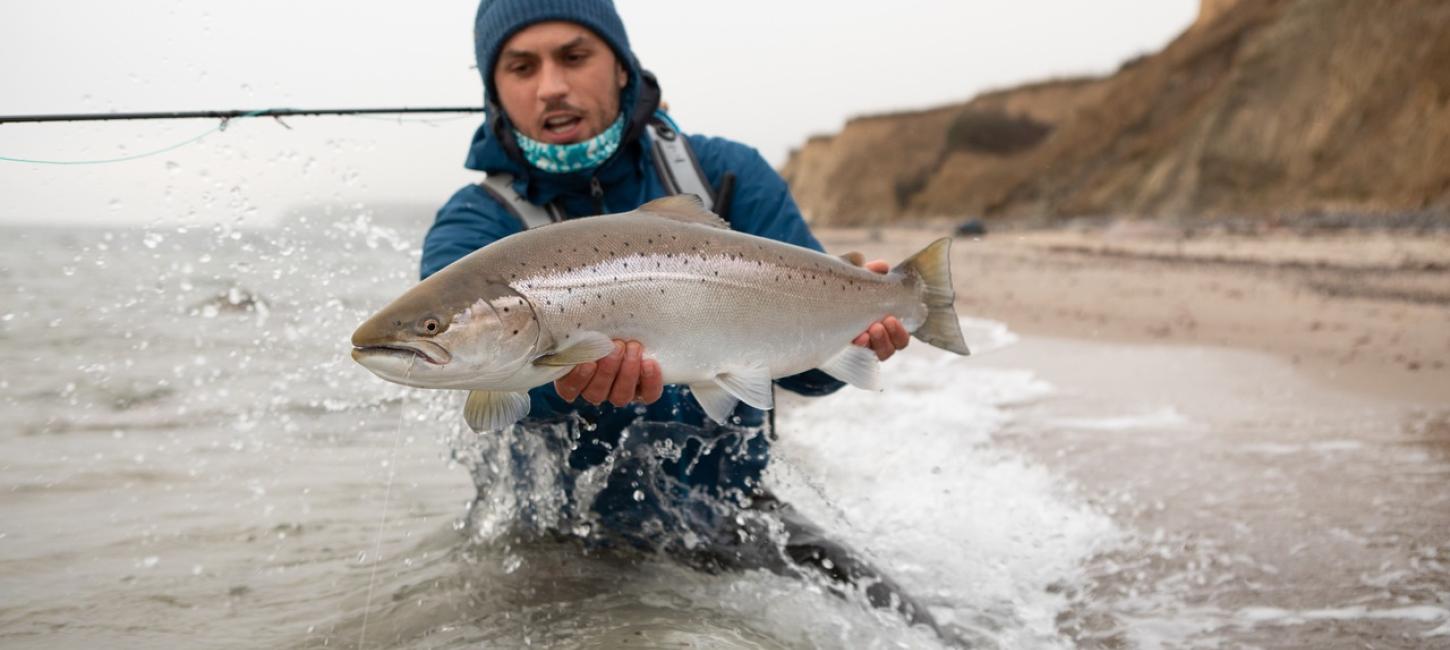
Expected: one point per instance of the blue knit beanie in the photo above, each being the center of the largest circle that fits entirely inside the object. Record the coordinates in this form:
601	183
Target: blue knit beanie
498	20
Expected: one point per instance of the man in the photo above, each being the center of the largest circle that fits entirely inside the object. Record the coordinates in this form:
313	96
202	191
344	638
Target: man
568	111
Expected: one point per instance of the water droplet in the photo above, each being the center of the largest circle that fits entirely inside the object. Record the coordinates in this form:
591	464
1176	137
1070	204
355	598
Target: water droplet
639	495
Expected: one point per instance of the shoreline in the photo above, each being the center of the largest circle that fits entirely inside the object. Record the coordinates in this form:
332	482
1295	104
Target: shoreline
1267	424
1369	312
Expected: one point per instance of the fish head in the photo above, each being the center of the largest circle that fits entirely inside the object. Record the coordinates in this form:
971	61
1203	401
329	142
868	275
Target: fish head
470	335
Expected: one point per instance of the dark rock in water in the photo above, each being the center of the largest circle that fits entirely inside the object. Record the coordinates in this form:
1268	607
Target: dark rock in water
234	300
971	228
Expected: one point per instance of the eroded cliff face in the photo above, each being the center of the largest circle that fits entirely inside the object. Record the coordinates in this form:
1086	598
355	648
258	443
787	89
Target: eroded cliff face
1260	108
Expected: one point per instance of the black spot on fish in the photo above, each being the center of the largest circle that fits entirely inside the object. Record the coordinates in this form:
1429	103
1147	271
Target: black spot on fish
516	332
505	310
649	241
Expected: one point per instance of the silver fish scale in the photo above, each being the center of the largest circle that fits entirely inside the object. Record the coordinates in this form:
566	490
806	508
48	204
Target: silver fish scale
704	300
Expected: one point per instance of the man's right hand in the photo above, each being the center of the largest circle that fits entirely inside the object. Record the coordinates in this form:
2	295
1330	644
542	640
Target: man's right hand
622	377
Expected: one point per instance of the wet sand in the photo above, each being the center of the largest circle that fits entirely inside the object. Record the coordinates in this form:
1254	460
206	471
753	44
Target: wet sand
1269	419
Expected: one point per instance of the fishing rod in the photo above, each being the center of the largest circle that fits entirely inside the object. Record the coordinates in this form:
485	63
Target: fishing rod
228	115
224	116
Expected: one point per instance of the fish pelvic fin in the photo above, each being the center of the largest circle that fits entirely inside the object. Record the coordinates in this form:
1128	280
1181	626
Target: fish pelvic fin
717	402
491	410
933	266
751	385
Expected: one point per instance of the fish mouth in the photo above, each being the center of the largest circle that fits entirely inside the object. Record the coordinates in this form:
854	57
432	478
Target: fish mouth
426	350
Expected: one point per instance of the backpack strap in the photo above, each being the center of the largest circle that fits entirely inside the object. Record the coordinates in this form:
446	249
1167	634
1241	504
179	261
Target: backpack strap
676	164
501	186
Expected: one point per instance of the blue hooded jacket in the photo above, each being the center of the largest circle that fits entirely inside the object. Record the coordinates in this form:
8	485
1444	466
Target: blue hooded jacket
719	459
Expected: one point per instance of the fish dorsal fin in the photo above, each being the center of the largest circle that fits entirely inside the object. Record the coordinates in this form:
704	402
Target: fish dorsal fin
684	207
490	411
854	258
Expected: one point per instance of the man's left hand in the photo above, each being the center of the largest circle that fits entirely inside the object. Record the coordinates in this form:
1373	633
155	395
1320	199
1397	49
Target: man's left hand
887	335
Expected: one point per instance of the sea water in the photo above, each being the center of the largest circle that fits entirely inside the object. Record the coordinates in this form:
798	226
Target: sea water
189	457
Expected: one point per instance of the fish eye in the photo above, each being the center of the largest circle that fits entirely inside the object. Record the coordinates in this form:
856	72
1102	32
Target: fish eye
430	326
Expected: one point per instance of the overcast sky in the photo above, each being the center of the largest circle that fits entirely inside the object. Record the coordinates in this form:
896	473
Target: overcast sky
768	73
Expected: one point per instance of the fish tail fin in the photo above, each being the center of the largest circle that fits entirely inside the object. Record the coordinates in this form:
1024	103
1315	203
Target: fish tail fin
933	266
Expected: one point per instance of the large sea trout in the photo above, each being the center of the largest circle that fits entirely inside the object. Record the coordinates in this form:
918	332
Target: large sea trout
722	311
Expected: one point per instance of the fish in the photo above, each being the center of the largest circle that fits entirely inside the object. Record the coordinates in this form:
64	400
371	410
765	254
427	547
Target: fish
721	311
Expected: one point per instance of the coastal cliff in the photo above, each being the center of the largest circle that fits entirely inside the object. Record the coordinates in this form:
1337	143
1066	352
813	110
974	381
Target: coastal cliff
1262	108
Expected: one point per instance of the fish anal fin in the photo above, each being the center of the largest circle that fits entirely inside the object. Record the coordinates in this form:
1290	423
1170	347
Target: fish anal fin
490	410
856	366
750	385
684	207
582	348
717	402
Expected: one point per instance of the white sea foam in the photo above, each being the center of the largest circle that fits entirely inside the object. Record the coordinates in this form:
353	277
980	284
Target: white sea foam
1158	419
909	475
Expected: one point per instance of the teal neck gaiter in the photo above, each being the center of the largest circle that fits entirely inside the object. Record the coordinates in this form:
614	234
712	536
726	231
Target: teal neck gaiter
564	158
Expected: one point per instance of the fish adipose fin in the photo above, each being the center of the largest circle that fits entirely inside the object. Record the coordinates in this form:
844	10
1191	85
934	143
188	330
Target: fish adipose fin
717	402
854	258
489	411
933	266
856	366
582	348
684	207
749	385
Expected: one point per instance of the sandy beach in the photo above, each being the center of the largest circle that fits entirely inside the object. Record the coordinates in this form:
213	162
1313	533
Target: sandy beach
1266	416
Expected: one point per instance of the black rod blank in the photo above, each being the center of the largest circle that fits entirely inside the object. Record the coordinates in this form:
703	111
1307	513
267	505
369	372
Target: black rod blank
227	115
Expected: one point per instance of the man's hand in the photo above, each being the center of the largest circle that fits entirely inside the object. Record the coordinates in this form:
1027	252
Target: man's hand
622	377
887	335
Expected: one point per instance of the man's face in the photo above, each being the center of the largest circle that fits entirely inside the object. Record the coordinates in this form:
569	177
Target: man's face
559	82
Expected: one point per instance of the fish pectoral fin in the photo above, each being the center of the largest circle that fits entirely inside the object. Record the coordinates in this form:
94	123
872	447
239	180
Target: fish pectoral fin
750	385
856	366
490	410
684	207
717	402
582	348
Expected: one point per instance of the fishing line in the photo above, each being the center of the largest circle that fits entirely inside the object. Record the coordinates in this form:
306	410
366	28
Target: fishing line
220	127
383	519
